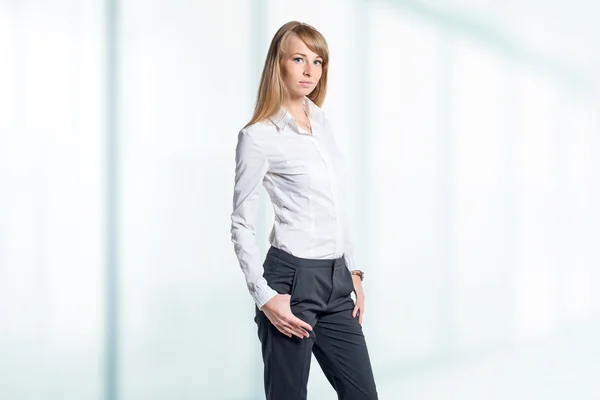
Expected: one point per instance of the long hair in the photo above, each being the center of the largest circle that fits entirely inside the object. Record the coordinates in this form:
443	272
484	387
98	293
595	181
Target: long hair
272	93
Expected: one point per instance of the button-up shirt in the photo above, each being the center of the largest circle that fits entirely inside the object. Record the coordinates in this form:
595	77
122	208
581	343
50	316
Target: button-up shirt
303	174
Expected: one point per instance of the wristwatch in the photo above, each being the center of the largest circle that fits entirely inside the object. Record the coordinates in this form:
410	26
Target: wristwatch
359	273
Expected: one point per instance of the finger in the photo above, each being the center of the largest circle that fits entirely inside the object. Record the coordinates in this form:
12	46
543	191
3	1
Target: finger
301	330
298	334
294	330
354	311
301	324
287	327
285	332
360	317
302	333
282	328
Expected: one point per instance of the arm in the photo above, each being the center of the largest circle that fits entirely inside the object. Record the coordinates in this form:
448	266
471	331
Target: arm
359	305
348	244
348	234
251	166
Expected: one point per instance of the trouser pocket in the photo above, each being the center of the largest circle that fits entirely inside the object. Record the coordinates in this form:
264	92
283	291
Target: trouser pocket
279	276
342	282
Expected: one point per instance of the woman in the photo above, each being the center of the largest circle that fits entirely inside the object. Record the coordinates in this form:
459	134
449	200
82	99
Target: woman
302	291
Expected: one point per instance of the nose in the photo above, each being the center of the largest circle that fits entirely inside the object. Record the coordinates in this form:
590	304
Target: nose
307	70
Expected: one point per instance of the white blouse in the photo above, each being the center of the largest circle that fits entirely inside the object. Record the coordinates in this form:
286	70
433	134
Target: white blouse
303	174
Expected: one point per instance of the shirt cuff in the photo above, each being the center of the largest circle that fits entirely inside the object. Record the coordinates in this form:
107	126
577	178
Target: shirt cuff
350	263
262	293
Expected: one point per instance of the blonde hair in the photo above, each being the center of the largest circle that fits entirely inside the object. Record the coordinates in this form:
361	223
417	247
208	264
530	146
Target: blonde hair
272	93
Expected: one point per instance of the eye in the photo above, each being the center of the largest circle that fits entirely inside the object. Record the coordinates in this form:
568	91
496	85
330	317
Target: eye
298	58
318	62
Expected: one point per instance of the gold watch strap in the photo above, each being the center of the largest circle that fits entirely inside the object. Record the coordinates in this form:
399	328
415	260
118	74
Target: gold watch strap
359	273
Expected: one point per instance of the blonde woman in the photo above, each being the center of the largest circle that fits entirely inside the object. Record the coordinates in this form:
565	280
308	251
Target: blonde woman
302	290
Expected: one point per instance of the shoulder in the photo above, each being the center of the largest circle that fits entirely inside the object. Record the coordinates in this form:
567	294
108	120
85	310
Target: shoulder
258	128
257	136
259	132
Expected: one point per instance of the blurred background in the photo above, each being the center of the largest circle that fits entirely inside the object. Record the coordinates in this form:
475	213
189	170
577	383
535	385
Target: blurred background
472	129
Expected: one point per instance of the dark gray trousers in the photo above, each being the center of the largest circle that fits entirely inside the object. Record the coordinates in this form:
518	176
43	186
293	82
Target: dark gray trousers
320	295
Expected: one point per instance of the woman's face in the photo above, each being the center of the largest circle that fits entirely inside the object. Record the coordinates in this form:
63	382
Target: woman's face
301	68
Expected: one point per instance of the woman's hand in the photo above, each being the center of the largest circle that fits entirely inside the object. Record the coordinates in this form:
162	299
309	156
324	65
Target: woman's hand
278	310
359	305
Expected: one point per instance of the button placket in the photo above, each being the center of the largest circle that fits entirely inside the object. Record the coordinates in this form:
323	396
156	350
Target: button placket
333	192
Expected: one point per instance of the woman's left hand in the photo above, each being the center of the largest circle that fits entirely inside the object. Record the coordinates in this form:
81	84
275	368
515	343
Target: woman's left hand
359	306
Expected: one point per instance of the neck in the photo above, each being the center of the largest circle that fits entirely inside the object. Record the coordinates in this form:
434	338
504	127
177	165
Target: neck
295	106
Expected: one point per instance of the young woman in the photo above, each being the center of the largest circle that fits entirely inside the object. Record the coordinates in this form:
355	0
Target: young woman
302	290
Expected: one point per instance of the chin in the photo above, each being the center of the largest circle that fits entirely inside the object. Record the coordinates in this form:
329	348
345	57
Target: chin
302	93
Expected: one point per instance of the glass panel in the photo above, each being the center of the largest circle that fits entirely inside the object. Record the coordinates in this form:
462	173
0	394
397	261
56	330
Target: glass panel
185	94
52	199
480	258
404	191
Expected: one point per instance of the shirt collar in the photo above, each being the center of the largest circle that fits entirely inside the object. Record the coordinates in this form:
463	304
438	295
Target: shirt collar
316	115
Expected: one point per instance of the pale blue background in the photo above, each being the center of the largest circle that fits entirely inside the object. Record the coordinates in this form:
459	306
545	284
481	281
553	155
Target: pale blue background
472	130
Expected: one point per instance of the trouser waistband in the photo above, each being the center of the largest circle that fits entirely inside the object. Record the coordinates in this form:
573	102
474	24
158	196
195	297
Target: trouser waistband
304	262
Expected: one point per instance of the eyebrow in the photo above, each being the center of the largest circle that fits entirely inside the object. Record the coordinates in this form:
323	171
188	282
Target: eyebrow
306	55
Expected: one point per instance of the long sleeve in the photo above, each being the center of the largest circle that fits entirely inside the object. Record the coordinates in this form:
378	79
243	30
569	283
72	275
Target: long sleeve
349	249
348	244
251	166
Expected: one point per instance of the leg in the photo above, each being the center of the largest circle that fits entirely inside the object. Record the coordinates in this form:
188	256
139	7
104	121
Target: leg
341	350
286	361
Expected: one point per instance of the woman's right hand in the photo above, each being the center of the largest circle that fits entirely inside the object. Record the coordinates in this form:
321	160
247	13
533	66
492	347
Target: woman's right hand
278	310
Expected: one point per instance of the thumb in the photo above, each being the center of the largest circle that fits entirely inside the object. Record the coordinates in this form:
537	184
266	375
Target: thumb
354	311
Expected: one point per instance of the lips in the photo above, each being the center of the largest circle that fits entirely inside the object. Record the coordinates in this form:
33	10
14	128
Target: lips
305	83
